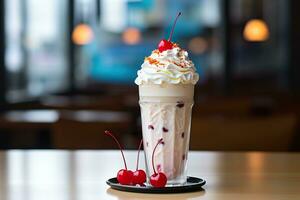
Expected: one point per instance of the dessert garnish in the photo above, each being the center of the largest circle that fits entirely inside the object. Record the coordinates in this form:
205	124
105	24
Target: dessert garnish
165	129
180	104
157	179
168	44
139	176
151	127
124	176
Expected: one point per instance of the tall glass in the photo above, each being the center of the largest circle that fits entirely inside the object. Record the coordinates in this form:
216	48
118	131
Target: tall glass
166	113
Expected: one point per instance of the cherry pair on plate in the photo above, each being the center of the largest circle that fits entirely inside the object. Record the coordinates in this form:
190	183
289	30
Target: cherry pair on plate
127	177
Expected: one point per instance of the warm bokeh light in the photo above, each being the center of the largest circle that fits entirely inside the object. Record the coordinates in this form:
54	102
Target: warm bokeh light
256	164
197	45
82	34
131	36
256	30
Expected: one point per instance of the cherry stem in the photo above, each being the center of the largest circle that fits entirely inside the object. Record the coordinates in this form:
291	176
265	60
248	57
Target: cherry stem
159	141
173	27
120	147
138	156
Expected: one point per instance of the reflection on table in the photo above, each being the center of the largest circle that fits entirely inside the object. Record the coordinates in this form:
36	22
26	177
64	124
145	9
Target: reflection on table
81	175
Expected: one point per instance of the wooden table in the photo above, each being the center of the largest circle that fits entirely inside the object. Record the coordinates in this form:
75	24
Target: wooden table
81	175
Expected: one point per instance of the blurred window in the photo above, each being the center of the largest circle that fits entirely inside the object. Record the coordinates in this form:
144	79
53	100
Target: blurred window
259	45
36	44
125	31
112	37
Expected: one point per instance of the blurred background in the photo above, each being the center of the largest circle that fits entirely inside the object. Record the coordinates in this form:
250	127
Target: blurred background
67	70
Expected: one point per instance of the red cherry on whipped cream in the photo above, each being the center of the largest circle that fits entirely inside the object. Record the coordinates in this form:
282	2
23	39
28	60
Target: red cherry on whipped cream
157	179
139	176
124	176
167	44
164	45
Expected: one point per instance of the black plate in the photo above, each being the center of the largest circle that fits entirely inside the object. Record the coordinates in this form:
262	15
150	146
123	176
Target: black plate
192	184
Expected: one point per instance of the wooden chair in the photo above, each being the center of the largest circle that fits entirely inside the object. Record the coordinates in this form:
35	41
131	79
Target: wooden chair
85	129
269	133
26	128
84	102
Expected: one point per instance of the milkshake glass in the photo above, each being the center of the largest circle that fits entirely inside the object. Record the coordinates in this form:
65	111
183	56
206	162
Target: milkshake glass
166	90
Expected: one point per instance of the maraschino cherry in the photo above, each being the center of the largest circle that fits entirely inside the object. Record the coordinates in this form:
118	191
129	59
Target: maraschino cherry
124	176
167	44
157	179
139	176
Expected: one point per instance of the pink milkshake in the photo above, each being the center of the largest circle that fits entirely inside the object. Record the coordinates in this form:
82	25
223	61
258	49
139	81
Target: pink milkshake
166	89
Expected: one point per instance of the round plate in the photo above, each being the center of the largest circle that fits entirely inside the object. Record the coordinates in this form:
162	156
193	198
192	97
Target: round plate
191	185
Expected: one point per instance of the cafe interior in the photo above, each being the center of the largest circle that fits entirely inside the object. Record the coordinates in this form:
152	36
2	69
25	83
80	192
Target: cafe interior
67	71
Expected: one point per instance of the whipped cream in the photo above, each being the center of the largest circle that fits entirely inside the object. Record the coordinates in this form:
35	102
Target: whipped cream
171	66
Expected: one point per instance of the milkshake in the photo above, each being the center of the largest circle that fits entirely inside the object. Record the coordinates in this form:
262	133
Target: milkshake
166	89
